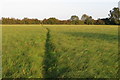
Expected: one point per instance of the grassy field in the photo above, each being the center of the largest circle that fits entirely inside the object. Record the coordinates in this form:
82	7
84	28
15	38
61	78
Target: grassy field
60	51
23	51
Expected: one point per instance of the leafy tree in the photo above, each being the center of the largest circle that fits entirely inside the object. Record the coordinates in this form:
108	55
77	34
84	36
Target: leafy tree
50	21
64	22
99	22
0	21
77	22
106	21
87	19
74	18
18	21
84	17
115	16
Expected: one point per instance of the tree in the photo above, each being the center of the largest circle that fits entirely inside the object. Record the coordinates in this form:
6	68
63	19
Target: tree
18	21
84	17
87	19
99	22
74	18
114	16
106	21
0	21
51	21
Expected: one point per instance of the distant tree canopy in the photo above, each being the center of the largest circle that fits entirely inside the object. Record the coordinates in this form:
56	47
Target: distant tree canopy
87	19
84	17
31	21
74	18
18	21
50	21
114	19
99	22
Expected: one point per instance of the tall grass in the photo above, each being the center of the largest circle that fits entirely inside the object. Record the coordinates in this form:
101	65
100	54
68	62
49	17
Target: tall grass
85	51
60	51
23	51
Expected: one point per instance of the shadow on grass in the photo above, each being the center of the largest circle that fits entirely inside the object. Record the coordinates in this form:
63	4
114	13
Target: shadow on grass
100	36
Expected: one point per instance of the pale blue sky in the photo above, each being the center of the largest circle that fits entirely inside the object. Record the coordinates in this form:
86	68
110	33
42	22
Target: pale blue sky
61	9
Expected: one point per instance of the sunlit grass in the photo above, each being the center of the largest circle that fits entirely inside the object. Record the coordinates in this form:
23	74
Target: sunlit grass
60	51
23	51
85	51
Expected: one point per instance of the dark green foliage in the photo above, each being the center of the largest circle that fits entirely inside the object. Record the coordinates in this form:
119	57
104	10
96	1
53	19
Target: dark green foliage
84	17
65	22
106	21
31	21
18	21
74	18
50	21
0	21
99	22
87	19
115	16
77	22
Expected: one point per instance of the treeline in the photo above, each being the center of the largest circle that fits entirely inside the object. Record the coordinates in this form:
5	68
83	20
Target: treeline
19	21
55	21
114	19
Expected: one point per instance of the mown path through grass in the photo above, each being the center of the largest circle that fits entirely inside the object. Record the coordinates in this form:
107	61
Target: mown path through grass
49	59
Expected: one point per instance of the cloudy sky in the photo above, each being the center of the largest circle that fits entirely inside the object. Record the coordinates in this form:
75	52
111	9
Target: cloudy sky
61	9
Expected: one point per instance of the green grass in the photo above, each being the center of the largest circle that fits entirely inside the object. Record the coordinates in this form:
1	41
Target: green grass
60	51
85	51
23	51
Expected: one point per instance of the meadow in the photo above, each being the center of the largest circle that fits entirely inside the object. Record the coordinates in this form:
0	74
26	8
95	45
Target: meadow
60	51
23	51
